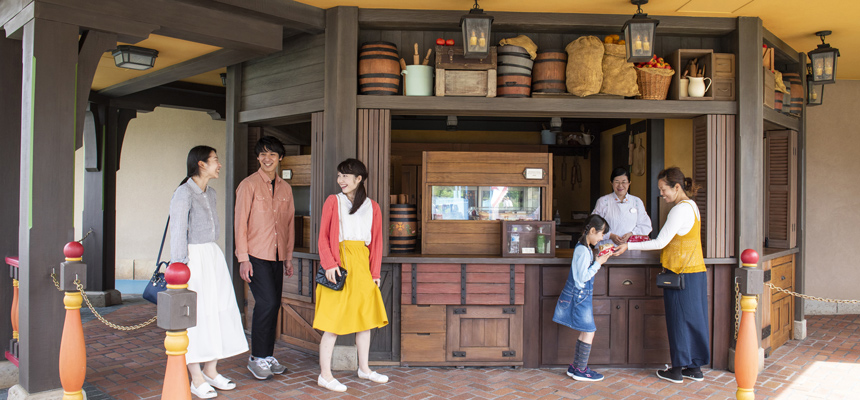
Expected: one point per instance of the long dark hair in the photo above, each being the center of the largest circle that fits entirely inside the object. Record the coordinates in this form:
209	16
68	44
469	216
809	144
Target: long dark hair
593	221
673	176
352	166
195	155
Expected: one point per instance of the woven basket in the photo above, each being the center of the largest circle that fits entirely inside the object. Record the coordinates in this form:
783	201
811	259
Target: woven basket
654	82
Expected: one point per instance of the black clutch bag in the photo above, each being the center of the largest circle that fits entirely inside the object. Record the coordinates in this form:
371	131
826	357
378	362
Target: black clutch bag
322	280
670	280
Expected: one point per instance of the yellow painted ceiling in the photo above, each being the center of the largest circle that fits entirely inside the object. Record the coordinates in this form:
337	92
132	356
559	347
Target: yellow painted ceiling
794	21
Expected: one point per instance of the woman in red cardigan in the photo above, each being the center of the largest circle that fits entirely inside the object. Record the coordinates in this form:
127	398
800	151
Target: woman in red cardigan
350	237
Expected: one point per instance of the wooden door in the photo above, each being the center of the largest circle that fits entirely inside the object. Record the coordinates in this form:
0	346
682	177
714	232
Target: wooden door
782	305
296	324
558	342
648	337
781	189
385	341
492	334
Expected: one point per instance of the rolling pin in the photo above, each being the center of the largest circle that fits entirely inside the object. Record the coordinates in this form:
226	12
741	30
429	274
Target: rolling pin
402	64
416	57
427	57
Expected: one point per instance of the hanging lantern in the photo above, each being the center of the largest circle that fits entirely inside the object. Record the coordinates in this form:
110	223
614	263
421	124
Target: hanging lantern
824	61
476	33
639	35
814	92
133	57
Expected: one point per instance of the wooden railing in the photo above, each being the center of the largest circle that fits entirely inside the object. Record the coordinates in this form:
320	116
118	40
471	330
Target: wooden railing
12	352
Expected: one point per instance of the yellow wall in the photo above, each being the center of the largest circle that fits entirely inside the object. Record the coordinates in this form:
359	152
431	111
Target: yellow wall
678	145
571	199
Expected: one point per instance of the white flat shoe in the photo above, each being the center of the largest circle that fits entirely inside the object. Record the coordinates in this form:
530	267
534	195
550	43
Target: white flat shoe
332	385
220	382
373	376
203	391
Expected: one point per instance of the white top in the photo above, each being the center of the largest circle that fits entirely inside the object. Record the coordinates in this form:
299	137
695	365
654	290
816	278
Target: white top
356	226
679	222
624	216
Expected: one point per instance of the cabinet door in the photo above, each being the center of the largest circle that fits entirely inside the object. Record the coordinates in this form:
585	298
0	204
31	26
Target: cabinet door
648	338
485	333
558	342
781	321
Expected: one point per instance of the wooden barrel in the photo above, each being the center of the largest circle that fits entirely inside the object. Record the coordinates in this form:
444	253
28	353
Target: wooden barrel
378	69
777	100
792	82
548	75
402	228
514	75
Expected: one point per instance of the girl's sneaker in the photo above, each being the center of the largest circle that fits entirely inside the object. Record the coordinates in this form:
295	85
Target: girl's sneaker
585	375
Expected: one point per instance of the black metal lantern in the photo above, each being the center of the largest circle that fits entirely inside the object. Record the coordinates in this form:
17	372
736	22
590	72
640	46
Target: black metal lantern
639	35
133	57
223	79
824	61
476	33
814	92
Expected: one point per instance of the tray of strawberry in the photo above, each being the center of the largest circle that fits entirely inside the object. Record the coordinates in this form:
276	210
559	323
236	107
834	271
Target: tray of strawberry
655	62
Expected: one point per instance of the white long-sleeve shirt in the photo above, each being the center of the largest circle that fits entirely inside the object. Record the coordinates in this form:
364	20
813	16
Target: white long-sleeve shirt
624	216
681	219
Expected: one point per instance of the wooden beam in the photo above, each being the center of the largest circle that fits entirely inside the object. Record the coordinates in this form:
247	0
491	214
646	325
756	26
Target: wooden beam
749	146
16	22
784	52
92	44
341	51
289	13
656	163
284	112
385	19
184	95
90	19
10	8
205	63
800	259
236	155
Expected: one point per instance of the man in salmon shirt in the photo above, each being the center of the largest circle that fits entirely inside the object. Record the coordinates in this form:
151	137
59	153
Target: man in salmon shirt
264	248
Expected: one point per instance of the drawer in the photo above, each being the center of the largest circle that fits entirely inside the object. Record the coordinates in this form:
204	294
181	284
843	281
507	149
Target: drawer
628	281
422	319
724	65
782	276
422	347
724	89
653	289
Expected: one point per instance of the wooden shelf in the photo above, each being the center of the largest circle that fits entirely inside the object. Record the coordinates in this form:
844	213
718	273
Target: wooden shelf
578	150
774	120
546	107
783	53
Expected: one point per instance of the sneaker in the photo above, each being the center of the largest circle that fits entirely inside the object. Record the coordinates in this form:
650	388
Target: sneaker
585	375
671	374
275	366
332	385
693	373
373	376
259	367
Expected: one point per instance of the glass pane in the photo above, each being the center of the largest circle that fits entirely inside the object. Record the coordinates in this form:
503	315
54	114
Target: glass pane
822	66
486	203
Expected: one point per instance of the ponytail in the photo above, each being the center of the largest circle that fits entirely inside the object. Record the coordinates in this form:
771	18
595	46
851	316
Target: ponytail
195	155
593	221
673	176
355	167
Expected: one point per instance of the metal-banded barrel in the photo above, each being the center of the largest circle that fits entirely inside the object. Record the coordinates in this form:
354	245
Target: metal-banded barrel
402	228
378	69
548	75
514	77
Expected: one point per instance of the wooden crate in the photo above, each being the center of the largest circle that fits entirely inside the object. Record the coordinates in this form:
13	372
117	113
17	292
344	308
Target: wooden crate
768	80
486	334
460	76
300	167
423	333
443	284
678	60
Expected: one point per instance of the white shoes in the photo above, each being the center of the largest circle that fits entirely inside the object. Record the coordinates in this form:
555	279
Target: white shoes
373	376
219	382
203	391
332	385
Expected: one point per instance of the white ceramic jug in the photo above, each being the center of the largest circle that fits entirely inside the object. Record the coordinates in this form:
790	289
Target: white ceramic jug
697	86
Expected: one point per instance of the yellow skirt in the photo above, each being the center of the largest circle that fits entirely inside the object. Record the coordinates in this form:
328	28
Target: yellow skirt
356	308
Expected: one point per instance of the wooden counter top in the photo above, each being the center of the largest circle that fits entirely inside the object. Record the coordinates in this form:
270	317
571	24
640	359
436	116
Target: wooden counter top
633	257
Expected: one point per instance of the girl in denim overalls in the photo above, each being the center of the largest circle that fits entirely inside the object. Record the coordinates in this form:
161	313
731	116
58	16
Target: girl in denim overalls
574	305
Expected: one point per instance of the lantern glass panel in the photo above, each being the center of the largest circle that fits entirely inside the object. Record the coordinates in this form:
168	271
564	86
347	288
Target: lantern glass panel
639	39
823	66
815	94
476	37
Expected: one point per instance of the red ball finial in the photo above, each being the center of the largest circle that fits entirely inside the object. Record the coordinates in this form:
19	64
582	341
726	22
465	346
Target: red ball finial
749	256
73	250
177	274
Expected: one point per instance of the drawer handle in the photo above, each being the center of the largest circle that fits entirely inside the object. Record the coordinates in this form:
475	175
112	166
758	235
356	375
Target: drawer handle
636	306
423	334
617	307
627	282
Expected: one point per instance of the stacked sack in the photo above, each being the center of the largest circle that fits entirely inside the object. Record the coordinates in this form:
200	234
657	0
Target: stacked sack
596	66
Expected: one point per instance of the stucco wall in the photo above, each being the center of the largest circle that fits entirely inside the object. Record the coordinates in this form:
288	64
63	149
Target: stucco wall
833	199
152	165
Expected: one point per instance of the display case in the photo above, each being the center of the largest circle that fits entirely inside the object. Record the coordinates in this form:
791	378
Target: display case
485	203
528	239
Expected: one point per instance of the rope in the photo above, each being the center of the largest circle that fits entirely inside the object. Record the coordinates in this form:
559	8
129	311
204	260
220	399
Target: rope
80	288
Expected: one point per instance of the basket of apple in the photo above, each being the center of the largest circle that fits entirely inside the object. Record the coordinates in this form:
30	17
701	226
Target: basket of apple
653	78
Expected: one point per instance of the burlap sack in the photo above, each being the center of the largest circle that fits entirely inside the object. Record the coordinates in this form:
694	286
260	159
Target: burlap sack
619	76
584	66
522	41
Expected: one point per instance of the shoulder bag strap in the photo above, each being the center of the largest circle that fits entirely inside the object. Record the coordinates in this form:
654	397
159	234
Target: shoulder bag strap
340	222
160	249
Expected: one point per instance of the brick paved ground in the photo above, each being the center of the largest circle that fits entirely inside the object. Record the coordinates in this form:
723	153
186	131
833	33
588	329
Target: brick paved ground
130	366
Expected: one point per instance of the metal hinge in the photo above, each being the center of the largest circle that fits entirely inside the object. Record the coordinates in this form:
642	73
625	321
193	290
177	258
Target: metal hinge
459	311
511	353
509	310
765	332
458	353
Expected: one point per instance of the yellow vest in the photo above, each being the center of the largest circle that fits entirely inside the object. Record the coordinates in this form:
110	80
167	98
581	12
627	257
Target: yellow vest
683	254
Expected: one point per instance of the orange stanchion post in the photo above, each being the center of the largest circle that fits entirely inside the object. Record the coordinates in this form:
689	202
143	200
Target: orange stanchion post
751	282
12	353
177	311
73	351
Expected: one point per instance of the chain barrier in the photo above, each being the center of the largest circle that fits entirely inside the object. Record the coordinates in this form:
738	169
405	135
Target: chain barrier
80	288
808	297
737	308
85	236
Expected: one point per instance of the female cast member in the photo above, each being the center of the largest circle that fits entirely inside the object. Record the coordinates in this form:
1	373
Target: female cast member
624	212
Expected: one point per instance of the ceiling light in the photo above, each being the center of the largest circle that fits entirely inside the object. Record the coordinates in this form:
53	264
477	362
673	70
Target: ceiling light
133	57
824	61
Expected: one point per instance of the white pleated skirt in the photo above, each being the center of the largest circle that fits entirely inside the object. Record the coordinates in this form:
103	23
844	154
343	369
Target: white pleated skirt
219	333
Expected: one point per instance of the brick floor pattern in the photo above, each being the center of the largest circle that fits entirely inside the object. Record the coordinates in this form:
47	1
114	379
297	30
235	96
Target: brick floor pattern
130	366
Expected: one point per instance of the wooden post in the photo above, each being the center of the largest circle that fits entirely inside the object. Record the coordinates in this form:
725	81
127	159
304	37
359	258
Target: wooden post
73	350
746	349
177	311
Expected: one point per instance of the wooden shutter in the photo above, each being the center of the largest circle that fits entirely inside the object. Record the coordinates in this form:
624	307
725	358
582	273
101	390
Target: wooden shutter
714	172
781	185
374	150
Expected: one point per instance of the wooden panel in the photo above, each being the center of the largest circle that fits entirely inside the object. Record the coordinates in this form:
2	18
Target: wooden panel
423	318
373	148
308	91
647	335
317	189
296	324
766	310
723	319
553	279
442	284
301	169
412	153
385	341
422	347
628	281
782	318
781	184
609	345
483	333
300	285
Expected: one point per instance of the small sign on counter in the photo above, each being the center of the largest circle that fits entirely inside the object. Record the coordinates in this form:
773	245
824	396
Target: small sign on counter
533	173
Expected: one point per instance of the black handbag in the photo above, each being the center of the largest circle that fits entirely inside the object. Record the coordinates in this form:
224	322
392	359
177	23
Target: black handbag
670	280
322	280
157	283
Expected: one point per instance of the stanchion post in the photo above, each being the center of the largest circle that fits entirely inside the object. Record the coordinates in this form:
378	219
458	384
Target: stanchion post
12	354
177	311
73	351
750	283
